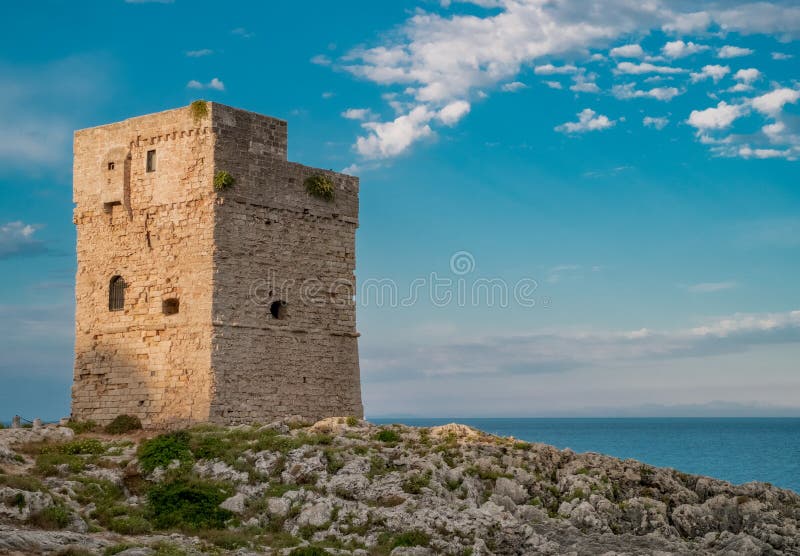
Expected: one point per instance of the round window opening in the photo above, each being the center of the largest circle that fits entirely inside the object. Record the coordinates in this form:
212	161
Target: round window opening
278	309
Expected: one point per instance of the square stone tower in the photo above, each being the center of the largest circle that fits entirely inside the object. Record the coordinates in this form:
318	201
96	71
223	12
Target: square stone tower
201	300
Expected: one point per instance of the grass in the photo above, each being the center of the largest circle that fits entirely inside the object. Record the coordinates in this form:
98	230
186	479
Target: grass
130	525
122	424
22	482
53	517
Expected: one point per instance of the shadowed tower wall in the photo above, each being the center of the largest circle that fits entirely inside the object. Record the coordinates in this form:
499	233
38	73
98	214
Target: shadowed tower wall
276	243
196	338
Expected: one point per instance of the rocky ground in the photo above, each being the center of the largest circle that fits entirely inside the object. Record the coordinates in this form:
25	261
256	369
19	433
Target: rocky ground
344	486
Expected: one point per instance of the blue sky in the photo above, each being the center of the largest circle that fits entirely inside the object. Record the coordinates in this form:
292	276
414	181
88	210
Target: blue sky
633	168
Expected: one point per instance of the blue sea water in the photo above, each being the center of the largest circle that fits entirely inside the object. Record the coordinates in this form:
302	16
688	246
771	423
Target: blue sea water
738	450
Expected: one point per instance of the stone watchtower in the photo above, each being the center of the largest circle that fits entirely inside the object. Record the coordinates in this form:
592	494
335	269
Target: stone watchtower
201	300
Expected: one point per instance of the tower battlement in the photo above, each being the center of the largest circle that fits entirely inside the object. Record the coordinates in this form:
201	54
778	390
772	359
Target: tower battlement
197	305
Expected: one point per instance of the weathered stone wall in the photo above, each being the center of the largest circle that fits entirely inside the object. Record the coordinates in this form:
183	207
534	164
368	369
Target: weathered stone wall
155	229
275	242
225	257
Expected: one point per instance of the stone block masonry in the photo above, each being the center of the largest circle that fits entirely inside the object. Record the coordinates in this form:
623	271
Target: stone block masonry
193	304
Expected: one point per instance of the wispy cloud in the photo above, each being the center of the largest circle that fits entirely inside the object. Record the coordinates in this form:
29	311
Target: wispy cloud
242	32
17	240
550	352
36	131
199	53
711	287
655	122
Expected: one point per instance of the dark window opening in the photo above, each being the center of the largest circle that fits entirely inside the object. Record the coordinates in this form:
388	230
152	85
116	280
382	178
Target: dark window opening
109	207
116	294
304	380
110	165
170	306
278	309
151	161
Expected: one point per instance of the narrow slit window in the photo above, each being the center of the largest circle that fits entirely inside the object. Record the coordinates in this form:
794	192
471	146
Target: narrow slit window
116	294
151	161
110	165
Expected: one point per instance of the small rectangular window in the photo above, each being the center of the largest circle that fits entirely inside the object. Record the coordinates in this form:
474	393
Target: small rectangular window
151	161
110	165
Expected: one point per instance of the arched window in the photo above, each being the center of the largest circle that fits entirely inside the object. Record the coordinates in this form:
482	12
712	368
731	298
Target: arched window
116	294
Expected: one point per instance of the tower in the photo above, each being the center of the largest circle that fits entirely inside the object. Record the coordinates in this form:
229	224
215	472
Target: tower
215	279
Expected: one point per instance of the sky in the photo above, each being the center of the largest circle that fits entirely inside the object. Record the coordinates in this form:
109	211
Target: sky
567	208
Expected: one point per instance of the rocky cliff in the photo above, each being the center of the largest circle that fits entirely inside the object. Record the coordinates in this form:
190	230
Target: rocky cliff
344	486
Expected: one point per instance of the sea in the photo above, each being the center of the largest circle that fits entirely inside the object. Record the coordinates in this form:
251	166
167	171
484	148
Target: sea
738	450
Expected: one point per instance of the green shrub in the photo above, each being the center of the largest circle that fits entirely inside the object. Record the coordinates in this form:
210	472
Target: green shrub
52	517
130	525
223	180
308	551
80	427
122	424
320	186
163	449
352	421
199	110
387	435
188	505
415	483
411	538
79	446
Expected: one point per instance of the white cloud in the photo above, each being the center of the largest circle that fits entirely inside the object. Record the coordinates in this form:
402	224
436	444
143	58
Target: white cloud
746	152
628	91
588	120
711	287
747	75
388	139
584	83
214	84
553	84
436	58
729	51
781	56
627	51
720	117
550	69
328	94
680	49
772	103
645	67
514	86
453	112
358	114
656	122
714	71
